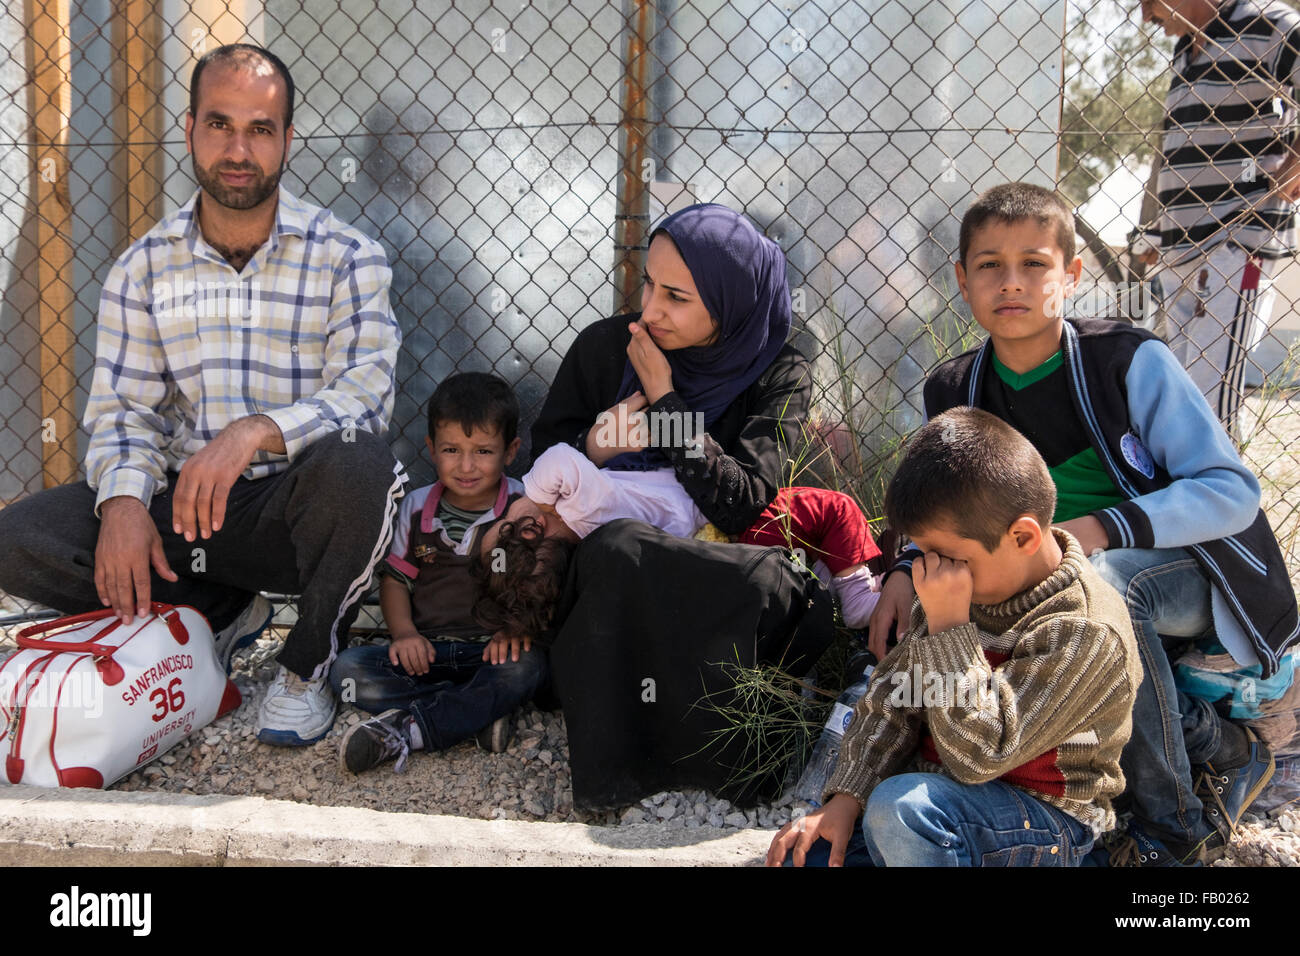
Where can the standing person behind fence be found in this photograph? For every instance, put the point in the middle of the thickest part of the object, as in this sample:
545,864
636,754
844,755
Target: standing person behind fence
1227,184
243,379
1150,485
442,679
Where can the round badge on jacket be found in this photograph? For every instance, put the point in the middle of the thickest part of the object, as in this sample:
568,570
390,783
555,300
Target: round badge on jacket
1136,454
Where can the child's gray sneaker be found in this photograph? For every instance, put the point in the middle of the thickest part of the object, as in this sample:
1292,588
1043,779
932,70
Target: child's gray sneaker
496,736
371,742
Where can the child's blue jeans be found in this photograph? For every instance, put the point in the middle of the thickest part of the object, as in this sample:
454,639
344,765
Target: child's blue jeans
1168,601
928,819
459,696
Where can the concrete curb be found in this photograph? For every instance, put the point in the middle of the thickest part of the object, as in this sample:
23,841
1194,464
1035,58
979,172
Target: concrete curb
45,827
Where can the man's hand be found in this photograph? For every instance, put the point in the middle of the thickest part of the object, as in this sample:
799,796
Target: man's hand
944,587
502,647
620,428
649,363
894,607
1150,257
199,498
833,823
128,546
413,652
1089,532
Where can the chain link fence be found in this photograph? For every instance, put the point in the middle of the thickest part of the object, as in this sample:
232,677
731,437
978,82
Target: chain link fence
511,158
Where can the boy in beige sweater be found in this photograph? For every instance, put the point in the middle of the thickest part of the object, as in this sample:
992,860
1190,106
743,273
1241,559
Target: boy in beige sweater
1012,689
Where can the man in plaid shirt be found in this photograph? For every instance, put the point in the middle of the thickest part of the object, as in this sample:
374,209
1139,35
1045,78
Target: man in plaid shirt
243,380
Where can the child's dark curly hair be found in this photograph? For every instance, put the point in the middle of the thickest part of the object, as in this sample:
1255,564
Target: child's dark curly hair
519,582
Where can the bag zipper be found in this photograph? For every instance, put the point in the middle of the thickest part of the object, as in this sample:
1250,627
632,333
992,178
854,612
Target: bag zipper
14,762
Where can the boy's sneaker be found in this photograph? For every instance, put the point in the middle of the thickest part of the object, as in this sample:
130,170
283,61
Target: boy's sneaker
1135,847
496,736
296,712
243,630
1226,792
371,742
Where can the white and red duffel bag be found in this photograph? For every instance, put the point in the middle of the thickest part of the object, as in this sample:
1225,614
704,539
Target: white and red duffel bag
86,699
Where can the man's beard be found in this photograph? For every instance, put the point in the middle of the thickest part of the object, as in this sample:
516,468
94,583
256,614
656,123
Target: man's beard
237,197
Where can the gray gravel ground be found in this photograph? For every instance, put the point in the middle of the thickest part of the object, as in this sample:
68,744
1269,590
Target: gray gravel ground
530,781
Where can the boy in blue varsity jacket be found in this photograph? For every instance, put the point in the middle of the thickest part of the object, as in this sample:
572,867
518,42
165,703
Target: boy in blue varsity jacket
1151,486
442,680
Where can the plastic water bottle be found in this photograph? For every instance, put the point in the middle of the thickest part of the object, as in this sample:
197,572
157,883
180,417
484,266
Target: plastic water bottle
827,751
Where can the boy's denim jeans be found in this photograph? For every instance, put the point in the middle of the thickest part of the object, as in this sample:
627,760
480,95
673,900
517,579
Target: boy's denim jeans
459,696
928,819
1169,603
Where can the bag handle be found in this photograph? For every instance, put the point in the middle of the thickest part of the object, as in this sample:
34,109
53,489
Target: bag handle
27,636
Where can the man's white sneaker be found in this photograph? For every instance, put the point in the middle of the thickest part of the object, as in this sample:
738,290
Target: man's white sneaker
296,712
243,630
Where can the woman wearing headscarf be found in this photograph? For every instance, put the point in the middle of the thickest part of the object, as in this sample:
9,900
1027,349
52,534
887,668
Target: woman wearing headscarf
710,340
650,619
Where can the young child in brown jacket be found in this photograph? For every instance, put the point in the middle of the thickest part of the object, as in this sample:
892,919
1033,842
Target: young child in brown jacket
1012,690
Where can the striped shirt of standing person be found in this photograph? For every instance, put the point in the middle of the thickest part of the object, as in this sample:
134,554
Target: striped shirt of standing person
1229,117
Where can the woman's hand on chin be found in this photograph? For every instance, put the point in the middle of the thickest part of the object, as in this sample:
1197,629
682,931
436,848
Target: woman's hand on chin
649,362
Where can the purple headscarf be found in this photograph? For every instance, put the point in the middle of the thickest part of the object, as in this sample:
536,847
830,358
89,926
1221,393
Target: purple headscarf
740,275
